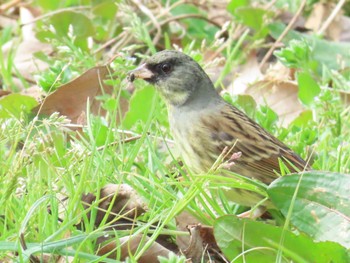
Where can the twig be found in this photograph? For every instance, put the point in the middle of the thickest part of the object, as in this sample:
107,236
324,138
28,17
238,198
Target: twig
108,43
284,33
184,16
117,142
8,5
239,30
125,37
148,13
331,17
271,4
22,241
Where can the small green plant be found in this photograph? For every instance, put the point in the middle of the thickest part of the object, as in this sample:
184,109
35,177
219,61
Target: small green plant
45,167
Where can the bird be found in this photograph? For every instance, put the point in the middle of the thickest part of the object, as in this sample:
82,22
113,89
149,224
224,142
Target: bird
206,128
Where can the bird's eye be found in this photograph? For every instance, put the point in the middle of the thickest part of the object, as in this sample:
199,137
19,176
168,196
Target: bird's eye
166,67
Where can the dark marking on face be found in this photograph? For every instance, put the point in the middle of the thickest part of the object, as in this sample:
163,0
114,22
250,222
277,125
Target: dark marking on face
162,69
131,77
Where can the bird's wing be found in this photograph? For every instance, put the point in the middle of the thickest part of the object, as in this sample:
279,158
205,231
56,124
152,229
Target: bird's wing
260,150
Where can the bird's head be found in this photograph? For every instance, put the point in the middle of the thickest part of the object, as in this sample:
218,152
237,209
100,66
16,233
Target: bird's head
177,77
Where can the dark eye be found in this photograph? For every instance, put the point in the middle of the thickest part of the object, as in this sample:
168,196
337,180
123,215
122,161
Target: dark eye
166,67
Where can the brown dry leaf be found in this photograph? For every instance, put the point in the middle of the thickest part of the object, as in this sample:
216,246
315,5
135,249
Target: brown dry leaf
286,17
280,95
345,34
4,92
71,99
183,220
34,91
7,21
24,60
8,5
129,245
246,74
318,16
274,89
64,259
217,11
126,204
202,244
345,96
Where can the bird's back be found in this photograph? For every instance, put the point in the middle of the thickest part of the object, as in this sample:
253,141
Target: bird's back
207,134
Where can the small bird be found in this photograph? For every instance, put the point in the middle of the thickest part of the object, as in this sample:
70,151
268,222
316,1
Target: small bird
205,127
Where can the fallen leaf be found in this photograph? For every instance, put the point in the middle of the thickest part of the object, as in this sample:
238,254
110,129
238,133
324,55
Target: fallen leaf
4,92
280,95
287,16
320,12
183,220
25,62
246,74
345,96
217,11
7,21
202,241
71,98
126,207
278,92
8,5
129,245
33,91
345,34
125,202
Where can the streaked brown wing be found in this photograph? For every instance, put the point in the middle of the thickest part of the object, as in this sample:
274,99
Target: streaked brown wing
260,150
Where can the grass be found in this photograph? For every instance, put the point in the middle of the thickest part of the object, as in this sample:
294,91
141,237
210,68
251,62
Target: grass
45,168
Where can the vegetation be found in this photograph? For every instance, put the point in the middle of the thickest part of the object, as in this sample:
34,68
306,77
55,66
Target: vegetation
88,169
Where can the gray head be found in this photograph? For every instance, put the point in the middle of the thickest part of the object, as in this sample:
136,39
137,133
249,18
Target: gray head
177,77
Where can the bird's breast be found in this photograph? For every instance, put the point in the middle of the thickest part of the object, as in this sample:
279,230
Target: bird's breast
193,142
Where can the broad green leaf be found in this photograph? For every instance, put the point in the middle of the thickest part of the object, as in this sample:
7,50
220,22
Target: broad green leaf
244,102
255,18
72,22
247,103
104,13
100,132
244,240
266,117
140,108
234,4
298,54
326,52
321,208
69,25
49,5
195,28
252,16
106,9
302,119
308,88
14,104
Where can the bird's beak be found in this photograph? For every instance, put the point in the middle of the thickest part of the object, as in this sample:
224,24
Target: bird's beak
141,72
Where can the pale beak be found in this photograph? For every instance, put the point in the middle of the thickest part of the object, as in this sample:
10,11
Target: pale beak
141,72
